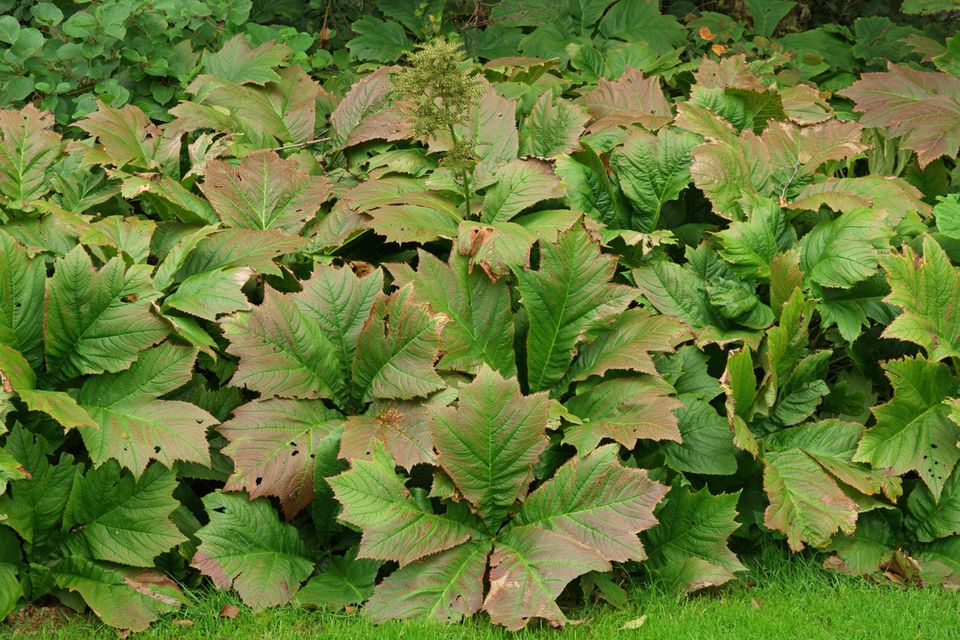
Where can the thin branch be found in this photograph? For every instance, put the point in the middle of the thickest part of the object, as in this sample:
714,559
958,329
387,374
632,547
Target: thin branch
302,144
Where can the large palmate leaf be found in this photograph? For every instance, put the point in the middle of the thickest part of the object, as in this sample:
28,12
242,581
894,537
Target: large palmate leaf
122,597
914,431
126,136
364,114
529,568
568,299
931,518
396,525
588,514
553,127
625,410
17,377
97,321
396,350
34,506
135,426
810,477
751,245
653,170
597,503
520,184
688,549
238,62
844,251
264,192
445,587
489,444
921,106
402,427
276,446
480,329
246,547
345,581
122,520
927,288
28,149
628,344
22,282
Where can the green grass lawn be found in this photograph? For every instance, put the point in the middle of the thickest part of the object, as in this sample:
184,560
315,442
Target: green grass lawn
790,598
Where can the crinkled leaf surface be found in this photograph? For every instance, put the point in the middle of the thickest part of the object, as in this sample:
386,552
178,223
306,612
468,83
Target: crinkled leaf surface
568,298
22,281
264,192
694,525
17,376
28,149
927,288
396,525
275,446
135,426
245,546
124,520
913,430
480,329
489,443
97,321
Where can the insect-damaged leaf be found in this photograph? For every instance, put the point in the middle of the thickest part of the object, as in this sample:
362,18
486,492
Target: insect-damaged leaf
914,431
276,446
135,425
245,546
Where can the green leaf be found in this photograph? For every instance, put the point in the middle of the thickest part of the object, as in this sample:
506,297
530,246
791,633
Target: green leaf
237,62
520,184
627,345
34,506
22,282
396,350
947,211
751,245
625,410
28,150
653,170
914,431
346,580
122,520
844,251
17,375
927,288
264,192
444,587
126,135
10,590
135,426
395,525
246,547
706,442
276,446
377,40
694,526
9,29
97,321
931,518
767,14
480,329
122,598
552,128
568,299
490,443
211,293
597,503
